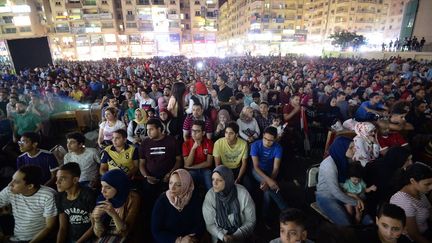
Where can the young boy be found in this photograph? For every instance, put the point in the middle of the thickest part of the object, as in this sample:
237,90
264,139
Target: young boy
390,224
292,227
75,205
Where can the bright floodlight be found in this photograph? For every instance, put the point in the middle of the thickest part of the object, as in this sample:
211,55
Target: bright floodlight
200,65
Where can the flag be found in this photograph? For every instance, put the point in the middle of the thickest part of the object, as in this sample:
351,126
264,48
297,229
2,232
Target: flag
305,129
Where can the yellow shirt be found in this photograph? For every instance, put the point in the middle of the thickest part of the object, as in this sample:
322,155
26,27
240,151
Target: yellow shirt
120,160
76,95
231,157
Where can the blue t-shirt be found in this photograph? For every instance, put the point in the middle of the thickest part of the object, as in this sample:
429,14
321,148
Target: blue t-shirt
265,155
44,159
363,115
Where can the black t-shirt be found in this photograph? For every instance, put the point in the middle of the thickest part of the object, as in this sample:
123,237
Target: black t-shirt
371,235
224,95
160,155
77,212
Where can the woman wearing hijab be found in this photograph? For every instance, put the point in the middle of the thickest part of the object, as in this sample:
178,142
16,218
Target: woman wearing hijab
249,129
228,209
117,209
136,130
331,113
333,171
175,216
223,118
170,124
366,143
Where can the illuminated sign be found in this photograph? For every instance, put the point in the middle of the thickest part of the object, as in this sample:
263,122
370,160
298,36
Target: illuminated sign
21,9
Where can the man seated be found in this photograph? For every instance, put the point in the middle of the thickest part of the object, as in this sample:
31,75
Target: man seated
369,110
266,157
232,151
197,114
33,205
292,227
120,155
197,154
75,205
390,224
87,158
32,155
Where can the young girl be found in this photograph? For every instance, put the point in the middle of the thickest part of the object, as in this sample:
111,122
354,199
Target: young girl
355,187
276,122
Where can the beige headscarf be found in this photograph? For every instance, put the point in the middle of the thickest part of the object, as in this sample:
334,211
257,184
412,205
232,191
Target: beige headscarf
187,186
144,117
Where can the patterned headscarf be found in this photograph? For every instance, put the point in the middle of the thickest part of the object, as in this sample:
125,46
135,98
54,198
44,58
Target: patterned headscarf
364,129
187,186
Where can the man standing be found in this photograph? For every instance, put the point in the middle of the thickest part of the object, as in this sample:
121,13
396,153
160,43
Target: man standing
32,155
224,93
87,158
197,154
266,157
197,115
33,205
120,155
232,151
75,205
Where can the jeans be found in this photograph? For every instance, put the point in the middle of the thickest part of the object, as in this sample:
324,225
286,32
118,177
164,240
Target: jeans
269,195
202,176
335,211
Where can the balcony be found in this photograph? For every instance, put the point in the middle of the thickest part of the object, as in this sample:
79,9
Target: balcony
73,4
173,16
158,2
367,21
9,31
78,30
91,16
63,29
105,16
145,28
143,2
341,10
372,11
343,1
89,3
130,17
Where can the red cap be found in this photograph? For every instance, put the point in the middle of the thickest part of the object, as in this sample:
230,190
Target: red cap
201,89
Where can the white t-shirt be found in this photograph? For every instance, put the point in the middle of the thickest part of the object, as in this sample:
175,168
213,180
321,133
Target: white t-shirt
108,130
88,162
29,212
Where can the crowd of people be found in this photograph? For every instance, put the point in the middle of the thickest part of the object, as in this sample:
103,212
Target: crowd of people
198,150
408,44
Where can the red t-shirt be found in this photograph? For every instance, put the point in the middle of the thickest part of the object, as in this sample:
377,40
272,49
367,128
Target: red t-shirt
201,152
295,120
392,140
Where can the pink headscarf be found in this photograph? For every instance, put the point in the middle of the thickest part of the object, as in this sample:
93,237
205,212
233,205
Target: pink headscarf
187,186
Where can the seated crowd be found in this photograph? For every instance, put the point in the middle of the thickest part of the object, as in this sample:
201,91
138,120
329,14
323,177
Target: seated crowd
190,155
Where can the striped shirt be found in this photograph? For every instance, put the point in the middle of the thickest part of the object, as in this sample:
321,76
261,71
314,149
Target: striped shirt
29,211
419,209
44,159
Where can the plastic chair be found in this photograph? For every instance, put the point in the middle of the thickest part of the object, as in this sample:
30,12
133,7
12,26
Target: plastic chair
311,182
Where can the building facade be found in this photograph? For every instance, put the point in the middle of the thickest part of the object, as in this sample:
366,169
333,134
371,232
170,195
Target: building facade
260,27
394,19
366,17
95,29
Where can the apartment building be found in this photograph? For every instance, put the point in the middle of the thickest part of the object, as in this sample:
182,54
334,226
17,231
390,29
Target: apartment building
394,19
94,29
325,17
22,18
260,26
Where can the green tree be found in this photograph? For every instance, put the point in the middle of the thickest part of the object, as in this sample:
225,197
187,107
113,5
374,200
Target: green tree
345,39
